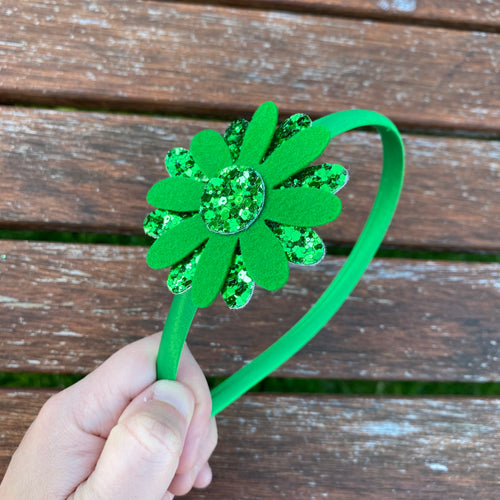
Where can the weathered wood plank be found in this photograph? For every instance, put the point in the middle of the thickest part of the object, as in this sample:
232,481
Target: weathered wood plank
167,57
481,14
66,308
314,447
91,172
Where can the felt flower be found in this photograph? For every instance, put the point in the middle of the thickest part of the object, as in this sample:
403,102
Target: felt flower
237,209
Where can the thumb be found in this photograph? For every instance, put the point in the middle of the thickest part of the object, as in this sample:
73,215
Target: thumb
142,452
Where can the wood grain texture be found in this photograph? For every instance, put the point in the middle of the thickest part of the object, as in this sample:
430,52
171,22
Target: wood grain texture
66,308
167,57
91,172
313,447
480,14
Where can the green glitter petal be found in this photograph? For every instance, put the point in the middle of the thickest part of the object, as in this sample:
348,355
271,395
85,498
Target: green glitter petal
233,200
181,275
238,287
288,129
234,135
331,178
301,244
179,161
160,220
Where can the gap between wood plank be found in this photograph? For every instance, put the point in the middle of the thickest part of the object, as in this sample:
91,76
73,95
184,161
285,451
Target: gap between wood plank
26,380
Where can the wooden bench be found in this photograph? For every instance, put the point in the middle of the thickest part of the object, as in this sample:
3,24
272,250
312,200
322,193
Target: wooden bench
171,69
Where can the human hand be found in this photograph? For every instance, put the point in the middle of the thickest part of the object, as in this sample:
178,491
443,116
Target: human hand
119,434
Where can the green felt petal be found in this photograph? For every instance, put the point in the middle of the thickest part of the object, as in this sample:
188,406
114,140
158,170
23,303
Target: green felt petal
301,207
178,242
264,256
331,178
181,275
238,287
159,221
210,152
180,194
259,135
212,268
180,161
294,154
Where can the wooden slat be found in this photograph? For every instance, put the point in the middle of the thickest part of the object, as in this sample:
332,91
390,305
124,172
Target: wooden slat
480,14
66,308
316,447
205,59
91,172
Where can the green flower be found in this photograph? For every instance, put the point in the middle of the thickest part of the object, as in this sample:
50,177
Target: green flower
236,209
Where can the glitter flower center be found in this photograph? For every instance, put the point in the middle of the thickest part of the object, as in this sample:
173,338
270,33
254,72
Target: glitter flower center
232,200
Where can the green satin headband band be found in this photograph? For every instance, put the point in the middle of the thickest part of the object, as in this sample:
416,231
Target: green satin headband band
232,201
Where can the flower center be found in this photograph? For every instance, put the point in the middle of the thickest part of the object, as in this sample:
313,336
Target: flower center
232,200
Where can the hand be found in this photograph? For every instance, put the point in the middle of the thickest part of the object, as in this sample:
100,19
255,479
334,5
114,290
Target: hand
118,434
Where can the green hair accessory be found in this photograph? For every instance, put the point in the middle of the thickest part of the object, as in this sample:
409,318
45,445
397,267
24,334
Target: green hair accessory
238,208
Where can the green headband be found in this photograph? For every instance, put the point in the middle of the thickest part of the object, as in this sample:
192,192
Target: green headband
236,209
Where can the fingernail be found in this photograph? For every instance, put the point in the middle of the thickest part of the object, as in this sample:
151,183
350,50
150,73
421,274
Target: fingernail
176,395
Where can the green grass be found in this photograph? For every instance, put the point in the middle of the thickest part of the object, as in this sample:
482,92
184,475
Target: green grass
38,380
274,384
385,388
